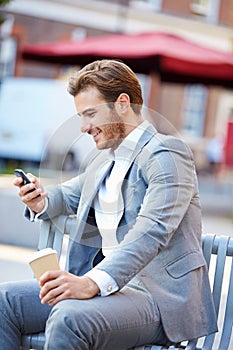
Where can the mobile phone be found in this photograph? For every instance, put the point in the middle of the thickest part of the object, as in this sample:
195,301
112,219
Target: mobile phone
20,172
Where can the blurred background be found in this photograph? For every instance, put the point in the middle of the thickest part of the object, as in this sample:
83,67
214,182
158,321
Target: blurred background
182,52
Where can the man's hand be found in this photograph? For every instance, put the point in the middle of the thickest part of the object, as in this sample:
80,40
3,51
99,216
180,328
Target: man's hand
61,285
35,199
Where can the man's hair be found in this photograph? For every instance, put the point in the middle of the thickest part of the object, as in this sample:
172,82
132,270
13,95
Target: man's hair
111,78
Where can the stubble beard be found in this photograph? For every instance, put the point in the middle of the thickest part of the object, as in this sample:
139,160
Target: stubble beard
114,132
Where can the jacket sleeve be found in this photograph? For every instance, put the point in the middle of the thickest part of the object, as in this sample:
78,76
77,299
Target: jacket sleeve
63,199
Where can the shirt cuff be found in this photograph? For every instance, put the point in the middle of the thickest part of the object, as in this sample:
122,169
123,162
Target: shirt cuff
35,216
104,281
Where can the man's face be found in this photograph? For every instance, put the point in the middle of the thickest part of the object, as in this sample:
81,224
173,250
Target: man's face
98,120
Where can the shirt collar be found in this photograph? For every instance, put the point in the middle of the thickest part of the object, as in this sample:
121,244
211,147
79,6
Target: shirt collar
128,145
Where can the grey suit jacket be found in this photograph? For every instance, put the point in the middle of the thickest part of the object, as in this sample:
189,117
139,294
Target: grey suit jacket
159,234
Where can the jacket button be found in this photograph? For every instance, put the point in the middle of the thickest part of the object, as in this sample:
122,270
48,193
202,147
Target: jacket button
109,288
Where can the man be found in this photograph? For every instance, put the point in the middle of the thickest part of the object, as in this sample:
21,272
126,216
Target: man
136,270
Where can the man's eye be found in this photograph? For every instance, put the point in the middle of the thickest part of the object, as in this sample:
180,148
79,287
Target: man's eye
91,115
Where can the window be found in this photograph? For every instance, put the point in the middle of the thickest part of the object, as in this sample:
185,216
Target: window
206,8
144,80
8,51
154,5
194,107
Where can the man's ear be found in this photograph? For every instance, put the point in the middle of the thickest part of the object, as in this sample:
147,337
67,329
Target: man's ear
122,103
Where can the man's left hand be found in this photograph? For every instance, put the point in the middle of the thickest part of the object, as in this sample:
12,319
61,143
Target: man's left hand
61,285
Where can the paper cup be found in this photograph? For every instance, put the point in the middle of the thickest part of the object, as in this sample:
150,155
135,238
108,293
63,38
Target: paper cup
42,261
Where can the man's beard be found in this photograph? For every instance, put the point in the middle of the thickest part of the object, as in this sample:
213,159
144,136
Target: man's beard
114,132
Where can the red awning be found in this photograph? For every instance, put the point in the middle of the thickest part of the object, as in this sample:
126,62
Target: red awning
173,57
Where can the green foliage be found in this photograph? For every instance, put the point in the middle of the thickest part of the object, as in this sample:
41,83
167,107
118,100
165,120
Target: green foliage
3,3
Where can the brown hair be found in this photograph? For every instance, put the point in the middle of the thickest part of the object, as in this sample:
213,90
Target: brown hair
111,78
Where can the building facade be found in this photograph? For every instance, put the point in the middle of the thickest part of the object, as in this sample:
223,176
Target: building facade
198,112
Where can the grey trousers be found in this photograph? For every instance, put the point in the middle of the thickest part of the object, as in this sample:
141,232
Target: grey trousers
120,321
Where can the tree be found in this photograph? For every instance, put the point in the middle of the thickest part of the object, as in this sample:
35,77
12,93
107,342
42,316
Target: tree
3,3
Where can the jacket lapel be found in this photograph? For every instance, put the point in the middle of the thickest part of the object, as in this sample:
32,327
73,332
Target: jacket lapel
144,139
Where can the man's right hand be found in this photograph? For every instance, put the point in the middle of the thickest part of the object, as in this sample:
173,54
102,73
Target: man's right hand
34,199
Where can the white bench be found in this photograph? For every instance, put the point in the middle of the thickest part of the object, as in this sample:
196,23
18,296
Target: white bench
218,252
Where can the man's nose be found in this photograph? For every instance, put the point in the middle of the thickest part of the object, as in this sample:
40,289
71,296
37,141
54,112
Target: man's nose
84,126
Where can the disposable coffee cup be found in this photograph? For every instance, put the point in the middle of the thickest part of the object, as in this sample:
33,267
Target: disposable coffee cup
42,261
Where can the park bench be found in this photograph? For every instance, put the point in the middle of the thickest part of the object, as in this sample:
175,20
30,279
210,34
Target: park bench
218,252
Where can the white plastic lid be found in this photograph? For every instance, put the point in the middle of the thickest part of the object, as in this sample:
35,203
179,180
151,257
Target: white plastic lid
41,253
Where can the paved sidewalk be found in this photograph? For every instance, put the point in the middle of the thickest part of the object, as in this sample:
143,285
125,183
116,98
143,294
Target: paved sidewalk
13,263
